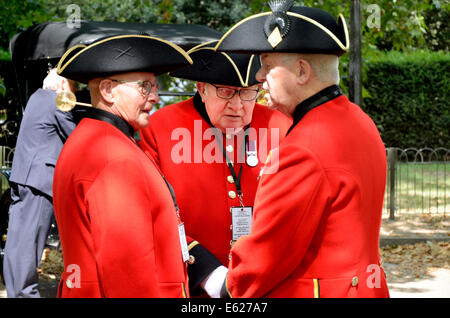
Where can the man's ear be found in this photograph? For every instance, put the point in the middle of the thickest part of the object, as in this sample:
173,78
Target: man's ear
304,71
105,88
201,89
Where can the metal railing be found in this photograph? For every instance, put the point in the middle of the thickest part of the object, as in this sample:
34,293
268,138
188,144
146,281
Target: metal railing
6,157
417,181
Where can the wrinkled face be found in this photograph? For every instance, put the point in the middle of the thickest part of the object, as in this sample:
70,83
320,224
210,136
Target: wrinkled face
278,74
134,96
233,113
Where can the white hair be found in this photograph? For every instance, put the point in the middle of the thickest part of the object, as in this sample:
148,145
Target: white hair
56,82
325,66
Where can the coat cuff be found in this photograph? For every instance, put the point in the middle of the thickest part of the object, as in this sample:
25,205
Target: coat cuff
224,292
204,264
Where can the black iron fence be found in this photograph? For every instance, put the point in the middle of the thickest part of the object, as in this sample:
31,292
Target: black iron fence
417,181
6,157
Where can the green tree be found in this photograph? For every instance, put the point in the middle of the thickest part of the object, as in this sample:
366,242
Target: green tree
18,15
404,25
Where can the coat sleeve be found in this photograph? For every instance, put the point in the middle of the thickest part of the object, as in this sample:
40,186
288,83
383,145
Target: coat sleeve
65,123
289,205
119,204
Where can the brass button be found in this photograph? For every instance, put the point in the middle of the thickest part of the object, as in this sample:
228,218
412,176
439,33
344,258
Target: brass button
230,148
191,260
232,194
230,179
355,281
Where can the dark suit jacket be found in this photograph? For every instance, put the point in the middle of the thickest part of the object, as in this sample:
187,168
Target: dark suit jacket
43,131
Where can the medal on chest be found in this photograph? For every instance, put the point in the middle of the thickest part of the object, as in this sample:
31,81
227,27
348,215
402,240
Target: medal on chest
251,153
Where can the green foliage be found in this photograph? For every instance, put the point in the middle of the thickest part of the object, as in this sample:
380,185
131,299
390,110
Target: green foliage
410,98
404,25
106,10
173,85
2,87
18,15
4,55
438,28
216,14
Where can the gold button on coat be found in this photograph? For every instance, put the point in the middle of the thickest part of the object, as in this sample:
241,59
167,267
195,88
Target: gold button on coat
230,179
232,194
355,281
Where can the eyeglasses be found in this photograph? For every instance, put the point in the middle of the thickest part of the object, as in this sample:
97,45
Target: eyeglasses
228,93
146,87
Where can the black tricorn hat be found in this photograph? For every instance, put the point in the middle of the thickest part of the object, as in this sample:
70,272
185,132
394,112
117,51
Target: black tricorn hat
229,69
121,54
288,29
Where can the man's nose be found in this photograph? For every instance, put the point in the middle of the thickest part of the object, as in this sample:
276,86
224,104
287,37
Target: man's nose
153,98
261,75
235,102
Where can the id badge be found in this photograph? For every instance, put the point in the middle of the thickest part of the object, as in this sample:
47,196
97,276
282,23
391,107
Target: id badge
183,242
241,220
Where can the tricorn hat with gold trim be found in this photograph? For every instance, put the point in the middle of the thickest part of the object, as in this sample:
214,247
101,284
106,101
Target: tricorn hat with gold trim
229,69
288,28
122,54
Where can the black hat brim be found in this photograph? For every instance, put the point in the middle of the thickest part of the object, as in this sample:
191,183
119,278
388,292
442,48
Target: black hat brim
122,54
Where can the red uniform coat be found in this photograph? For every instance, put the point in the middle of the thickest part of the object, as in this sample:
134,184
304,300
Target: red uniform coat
116,219
203,189
316,222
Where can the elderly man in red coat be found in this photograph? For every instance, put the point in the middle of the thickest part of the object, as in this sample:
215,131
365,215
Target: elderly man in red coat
120,229
316,222
211,149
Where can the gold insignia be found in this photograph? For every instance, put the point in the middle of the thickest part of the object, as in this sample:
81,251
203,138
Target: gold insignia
316,288
66,101
275,37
